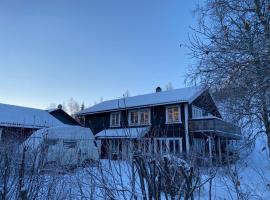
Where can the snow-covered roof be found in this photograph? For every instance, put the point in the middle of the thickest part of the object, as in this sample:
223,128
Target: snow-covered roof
123,133
187,94
17,116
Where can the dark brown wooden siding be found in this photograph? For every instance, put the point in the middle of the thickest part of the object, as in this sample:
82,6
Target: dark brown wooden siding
16,134
159,128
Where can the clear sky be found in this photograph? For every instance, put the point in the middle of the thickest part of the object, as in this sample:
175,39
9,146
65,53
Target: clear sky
53,50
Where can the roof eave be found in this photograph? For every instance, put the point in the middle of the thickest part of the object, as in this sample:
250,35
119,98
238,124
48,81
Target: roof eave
133,107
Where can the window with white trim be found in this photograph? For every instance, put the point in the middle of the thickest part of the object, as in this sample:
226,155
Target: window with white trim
197,112
114,146
144,117
115,119
139,117
173,115
133,118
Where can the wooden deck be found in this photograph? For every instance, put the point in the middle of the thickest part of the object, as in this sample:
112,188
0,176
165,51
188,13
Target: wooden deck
215,126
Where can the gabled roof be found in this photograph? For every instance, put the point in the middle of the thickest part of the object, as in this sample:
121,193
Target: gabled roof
187,94
63,116
17,116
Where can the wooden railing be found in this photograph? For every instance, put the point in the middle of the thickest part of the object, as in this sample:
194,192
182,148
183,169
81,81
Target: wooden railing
214,125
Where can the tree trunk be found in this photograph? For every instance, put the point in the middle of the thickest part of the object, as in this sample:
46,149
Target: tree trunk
210,189
268,138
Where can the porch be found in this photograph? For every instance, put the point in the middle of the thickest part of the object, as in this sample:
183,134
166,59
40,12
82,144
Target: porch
214,139
123,143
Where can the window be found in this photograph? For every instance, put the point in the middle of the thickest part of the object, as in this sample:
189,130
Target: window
115,119
134,118
196,112
168,145
144,117
173,115
139,117
114,146
51,142
171,146
69,144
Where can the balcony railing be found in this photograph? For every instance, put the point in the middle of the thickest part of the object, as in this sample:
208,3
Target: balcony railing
216,126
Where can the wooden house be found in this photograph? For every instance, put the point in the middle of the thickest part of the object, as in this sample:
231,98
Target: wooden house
178,121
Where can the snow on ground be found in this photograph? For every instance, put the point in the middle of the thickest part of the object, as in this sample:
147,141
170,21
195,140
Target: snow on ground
253,181
113,178
253,173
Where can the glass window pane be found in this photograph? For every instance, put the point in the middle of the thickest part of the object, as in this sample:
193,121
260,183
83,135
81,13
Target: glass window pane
170,115
176,115
142,118
177,146
136,116
173,114
171,145
158,146
115,119
164,148
146,118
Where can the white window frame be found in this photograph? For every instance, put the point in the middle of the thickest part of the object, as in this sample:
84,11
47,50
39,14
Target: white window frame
114,147
149,116
179,115
111,120
195,111
139,117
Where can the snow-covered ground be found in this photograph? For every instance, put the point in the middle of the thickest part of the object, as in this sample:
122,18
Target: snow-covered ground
253,177
248,179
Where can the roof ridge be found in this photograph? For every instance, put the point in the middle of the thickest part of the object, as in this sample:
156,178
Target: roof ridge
18,106
166,97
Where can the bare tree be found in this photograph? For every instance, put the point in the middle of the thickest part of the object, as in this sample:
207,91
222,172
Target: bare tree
232,47
73,107
169,86
82,106
126,94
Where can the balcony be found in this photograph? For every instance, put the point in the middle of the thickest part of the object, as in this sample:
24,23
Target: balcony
215,126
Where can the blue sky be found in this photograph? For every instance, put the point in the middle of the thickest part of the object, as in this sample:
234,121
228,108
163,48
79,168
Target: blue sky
53,50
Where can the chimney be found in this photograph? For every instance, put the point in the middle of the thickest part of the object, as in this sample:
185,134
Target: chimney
60,106
158,89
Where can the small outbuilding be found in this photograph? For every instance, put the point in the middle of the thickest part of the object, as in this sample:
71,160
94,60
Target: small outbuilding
17,123
63,145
